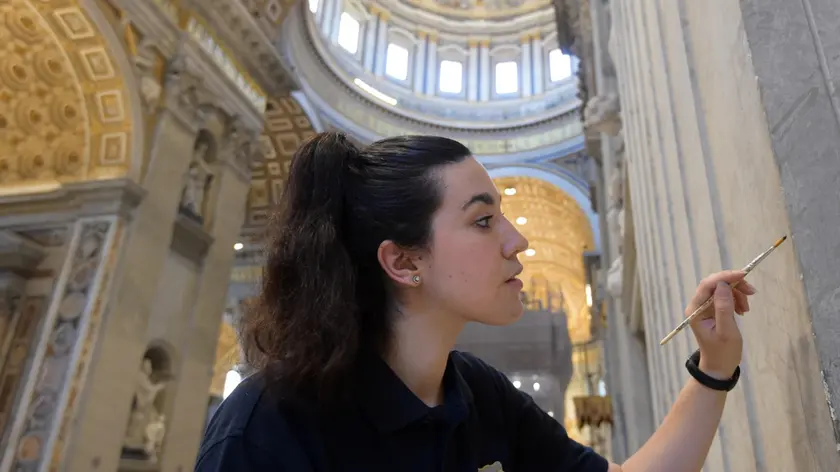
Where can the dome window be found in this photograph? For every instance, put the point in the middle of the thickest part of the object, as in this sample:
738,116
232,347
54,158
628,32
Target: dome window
396,62
507,78
559,65
348,33
451,77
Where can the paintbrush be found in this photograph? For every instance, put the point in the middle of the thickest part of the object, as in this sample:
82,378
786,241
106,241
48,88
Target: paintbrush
749,267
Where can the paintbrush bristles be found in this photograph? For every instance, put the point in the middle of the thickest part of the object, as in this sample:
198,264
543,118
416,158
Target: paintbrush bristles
779,242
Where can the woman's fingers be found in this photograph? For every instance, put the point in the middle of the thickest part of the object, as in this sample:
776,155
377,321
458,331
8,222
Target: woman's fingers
742,304
706,288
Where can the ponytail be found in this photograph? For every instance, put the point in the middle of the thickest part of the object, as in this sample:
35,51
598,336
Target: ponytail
307,316
324,295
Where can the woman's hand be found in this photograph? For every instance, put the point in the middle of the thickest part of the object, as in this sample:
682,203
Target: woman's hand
716,331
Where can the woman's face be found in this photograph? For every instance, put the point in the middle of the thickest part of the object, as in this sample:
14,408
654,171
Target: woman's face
473,263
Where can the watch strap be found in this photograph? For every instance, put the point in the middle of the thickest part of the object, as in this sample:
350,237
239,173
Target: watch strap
693,366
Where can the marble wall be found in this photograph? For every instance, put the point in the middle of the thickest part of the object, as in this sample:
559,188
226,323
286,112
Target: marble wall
728,149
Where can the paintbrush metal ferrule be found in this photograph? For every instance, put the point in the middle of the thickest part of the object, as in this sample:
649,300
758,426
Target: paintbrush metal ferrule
705,305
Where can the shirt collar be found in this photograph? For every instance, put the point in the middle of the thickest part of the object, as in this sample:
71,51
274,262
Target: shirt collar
391,406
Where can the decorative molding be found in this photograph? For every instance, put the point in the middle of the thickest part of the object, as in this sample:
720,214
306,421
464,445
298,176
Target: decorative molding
70,202
247,39
51,396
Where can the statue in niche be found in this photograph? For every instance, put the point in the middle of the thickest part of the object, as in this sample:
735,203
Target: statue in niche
155,432
143,411
197,182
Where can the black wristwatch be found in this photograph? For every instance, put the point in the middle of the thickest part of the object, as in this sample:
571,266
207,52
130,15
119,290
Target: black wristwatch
693,366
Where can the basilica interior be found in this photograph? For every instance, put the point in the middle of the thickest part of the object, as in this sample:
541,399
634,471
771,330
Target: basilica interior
145,144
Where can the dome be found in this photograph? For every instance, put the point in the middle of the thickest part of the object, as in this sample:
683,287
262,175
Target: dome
486,72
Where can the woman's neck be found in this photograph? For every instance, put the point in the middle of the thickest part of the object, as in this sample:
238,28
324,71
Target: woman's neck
419,350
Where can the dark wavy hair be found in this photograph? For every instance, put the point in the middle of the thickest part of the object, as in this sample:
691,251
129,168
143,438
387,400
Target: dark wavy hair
324,294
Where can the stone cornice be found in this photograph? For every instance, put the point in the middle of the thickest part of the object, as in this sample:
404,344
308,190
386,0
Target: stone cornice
153,22
71,201
235,25
441,23
18,254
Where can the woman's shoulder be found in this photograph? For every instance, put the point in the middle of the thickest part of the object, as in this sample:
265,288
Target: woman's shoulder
251,425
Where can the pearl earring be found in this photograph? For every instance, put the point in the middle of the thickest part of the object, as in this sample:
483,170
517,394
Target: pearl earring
416,279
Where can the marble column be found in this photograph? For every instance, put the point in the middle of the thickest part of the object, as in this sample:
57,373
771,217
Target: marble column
538,61
320,13
381,43
369,43
432,65
204,322
525,72
418,80
472,70
333,21
485,74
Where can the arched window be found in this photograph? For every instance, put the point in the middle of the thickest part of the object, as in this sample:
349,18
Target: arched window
313,5
451,77
559,65
507,77
396,62
348,33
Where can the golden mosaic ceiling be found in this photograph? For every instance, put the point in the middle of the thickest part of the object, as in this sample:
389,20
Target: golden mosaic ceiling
480,9
558,232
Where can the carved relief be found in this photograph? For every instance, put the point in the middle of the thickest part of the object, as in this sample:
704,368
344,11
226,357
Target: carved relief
51,131
602,114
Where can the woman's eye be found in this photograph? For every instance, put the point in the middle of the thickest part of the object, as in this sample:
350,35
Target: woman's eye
484,222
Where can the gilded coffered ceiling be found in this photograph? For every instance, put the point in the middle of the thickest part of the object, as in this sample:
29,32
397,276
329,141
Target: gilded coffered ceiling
64,108
558,232
479,9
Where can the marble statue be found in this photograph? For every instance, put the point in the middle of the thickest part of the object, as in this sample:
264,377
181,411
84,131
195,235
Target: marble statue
197,181
603,114
155,432
150,88
143,411
614,277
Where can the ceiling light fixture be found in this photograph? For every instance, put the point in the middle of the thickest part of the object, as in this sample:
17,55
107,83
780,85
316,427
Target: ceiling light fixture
238,246
530,252
521,220
517,384
510,191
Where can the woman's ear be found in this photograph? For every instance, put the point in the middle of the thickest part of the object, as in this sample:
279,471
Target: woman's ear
398,263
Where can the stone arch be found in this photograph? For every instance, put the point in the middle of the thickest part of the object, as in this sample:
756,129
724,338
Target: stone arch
561,182
68,113
559,231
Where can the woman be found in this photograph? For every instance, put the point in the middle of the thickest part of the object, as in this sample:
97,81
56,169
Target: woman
383,255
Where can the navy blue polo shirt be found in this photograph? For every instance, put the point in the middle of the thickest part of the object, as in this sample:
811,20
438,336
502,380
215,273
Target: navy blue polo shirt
483,420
